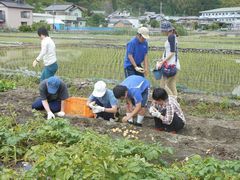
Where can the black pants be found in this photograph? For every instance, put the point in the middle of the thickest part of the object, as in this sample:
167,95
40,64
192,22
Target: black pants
105,115
176,125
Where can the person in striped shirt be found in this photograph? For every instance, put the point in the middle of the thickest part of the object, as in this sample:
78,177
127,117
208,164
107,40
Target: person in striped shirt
166,111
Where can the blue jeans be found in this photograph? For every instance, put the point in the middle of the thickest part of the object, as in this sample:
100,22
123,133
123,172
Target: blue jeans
130,70
49,71
55,106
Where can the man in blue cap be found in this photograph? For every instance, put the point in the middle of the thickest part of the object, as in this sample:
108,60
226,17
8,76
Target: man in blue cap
53,92
135,90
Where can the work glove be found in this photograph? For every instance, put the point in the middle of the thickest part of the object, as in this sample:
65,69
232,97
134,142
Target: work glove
156,114
35,63
97,109
152,109
61,114
139,69
50,115
92,104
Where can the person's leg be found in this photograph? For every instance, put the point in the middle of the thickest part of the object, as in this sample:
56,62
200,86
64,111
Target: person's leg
141,113
158,124
37,104
176,125
172,84
55,106
164,85
43,75
50,70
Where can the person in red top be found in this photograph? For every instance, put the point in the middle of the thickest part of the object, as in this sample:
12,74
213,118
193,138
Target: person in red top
166,111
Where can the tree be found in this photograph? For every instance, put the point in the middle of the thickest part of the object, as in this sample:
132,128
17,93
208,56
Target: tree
154,23
96,20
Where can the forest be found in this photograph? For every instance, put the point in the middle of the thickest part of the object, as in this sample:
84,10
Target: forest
169,7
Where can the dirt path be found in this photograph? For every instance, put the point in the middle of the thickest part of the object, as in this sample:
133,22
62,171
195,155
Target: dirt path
204,136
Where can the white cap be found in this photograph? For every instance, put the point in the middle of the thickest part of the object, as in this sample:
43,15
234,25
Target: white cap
99,89
144,32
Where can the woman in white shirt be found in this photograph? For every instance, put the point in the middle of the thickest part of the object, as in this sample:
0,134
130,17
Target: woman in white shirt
170,57
48,54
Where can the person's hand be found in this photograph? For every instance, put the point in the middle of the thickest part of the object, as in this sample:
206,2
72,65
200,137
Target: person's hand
61,114
50,115
156,114
152,109
35,63
125,119
159,64
91,104
139,69
98,109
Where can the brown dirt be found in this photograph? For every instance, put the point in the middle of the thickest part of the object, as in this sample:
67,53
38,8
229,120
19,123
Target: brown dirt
204,136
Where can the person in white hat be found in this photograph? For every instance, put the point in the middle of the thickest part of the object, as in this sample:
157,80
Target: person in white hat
136,54
102,102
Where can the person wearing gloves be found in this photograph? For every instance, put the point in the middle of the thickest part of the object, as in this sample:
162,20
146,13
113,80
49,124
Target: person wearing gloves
136,53
102,102
48,54
53,92
135,90
168,116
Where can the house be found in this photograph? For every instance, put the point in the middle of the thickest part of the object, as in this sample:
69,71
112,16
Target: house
122,14
53,21
70,14
15,13
224,15
123,24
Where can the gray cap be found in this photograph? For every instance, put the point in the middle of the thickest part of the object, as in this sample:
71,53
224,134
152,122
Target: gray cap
166,26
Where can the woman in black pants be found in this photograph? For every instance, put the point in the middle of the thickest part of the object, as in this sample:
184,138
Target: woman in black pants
166,111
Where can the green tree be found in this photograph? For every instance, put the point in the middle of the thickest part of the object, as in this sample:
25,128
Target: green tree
96,20
154,23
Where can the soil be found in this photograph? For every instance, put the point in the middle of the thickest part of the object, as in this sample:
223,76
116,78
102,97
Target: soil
203,136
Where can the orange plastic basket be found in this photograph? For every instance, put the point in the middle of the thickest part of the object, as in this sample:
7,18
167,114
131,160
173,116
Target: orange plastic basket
77,106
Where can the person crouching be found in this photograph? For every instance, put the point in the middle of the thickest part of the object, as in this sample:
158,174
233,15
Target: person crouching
169,116
102,102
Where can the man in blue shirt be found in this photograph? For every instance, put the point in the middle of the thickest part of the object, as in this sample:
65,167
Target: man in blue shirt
136,53
102,102
135,90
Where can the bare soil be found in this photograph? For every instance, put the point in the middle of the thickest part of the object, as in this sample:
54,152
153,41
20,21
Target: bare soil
205,136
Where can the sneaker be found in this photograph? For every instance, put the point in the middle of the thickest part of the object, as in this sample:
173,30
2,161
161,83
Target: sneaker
138,124
130,122
113,120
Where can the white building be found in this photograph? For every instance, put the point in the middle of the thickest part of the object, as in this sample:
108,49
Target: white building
224,15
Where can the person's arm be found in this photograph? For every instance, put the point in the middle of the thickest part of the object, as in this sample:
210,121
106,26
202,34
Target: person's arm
146,65
172,42
46,105
113,109
133,113
43,50
130,57
62,105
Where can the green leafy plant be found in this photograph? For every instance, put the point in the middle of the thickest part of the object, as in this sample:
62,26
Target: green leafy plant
6,85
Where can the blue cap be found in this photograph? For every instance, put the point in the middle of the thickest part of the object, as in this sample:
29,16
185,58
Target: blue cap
53,84
166,26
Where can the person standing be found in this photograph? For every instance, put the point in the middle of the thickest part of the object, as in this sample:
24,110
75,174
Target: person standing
169,58
53,92
136,54
134,89
102,102
169,116
48,54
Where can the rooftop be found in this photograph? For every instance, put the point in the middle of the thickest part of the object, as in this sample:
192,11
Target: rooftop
222,10
11,4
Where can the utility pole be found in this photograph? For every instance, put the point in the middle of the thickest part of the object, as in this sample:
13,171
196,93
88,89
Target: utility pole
161,7
54,2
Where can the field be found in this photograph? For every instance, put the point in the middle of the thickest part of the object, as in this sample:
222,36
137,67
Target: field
77,148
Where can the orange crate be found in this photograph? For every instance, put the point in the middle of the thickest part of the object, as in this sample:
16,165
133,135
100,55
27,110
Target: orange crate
77,106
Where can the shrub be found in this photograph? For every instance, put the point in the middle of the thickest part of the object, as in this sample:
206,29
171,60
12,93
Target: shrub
36,26
25,28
